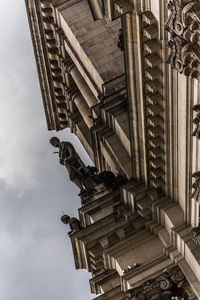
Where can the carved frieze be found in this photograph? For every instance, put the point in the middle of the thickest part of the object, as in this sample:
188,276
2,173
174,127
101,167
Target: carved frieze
170,285
184,27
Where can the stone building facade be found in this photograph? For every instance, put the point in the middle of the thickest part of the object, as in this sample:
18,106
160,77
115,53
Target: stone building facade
123,75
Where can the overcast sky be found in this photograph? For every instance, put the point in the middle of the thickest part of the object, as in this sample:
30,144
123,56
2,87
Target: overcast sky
36,260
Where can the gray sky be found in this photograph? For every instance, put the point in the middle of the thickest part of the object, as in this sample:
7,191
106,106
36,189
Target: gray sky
36,260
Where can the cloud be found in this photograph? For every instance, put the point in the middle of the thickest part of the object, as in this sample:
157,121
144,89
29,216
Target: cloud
21,110
35,255
24,139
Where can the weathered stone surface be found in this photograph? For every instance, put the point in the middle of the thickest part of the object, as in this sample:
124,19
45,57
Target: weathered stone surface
184,28
136,124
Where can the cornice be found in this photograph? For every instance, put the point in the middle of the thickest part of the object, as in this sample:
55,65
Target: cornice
41,56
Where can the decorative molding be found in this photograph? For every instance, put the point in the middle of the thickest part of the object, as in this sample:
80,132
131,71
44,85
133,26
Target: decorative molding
183,26
118,8
56,60
138,198
61,5
154,101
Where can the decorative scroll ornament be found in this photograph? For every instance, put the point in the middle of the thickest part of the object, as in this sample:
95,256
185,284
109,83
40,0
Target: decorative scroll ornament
169,286
196,186
196,121
184,28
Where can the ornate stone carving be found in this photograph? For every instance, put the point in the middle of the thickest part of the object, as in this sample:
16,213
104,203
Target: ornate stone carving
196,185
196,232
196,121
74,223
184,28
85,177
170,285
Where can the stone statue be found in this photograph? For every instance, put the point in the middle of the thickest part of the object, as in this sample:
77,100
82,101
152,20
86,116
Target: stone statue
78,172
196,233
196,121
196,186
74,223
86,178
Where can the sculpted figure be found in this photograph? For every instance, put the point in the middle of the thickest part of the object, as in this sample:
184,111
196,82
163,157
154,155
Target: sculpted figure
196,121
78,172
196,233
74,223
86,178
196,186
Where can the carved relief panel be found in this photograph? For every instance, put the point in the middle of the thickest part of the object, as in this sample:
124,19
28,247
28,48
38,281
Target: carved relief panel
184,27
172,284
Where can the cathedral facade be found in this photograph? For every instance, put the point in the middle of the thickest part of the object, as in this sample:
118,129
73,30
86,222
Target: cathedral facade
124,75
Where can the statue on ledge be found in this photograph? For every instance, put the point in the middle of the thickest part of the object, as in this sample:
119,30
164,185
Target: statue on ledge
196,186
74,223
78,172
86,178
196,121
196,233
